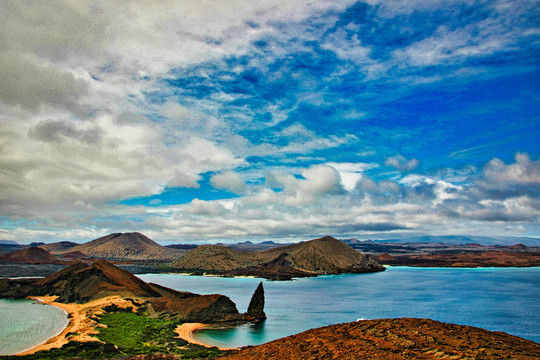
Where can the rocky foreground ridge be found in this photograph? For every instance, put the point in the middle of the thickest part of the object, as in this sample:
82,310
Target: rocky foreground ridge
325,255
82,283
394,339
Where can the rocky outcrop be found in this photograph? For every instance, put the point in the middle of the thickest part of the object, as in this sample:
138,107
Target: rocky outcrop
200,308
256,305
394,339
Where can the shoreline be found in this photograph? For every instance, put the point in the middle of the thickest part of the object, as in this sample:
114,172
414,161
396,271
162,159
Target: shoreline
60,338
80,325
24,351
185,331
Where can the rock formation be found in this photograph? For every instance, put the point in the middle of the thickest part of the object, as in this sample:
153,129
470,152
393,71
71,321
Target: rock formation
256,305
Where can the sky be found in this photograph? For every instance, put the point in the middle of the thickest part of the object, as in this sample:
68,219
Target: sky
206,121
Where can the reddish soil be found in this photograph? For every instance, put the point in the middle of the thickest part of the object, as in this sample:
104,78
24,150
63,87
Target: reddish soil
31,255
391,339
482,259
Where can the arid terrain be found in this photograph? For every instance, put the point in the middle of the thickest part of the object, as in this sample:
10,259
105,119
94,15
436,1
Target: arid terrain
325,255
394,339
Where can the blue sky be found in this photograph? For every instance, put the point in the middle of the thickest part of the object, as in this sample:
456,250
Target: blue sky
204,122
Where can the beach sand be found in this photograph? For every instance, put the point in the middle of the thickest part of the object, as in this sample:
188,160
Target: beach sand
81,327
185,331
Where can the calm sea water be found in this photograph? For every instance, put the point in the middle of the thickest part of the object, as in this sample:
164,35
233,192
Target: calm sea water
27,323
491,298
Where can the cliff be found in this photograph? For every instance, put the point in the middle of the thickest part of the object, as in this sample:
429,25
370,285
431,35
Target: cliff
394,339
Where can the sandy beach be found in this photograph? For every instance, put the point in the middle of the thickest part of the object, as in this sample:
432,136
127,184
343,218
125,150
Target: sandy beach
185,331
79,321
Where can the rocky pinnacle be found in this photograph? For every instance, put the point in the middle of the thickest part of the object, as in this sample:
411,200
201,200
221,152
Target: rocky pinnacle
256,305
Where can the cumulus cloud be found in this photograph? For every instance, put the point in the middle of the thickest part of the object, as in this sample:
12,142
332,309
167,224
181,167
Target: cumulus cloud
501,181
229,180
399,162
103,102
57,131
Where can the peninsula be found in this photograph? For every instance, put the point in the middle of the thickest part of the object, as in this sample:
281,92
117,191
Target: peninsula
88,291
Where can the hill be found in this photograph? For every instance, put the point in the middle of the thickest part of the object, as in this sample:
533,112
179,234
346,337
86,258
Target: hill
319,256
132,246
58,247
82,283
32,255
394,339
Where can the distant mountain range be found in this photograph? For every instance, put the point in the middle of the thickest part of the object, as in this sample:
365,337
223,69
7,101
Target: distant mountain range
458,239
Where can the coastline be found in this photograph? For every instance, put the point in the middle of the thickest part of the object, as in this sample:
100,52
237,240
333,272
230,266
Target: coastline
60,338
185,331
80,326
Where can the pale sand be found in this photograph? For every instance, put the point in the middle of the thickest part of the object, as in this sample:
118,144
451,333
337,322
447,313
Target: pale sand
185,331
79,321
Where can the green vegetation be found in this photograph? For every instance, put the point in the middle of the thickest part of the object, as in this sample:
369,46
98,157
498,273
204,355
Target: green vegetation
82,350
135,334
127,333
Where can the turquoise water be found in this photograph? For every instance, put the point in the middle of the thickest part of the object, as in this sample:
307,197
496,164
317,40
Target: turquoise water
492,298
27,323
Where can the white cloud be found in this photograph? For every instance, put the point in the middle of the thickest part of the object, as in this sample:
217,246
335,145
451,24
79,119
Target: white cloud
399,162
350,173
498,175
230,181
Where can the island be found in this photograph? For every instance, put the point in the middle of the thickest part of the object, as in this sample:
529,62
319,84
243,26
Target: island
322,256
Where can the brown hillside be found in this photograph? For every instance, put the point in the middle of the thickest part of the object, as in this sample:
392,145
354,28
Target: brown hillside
325,255
32,255
200,308
394,339
320,256
134,246
58,247
384,257
83,283
216,258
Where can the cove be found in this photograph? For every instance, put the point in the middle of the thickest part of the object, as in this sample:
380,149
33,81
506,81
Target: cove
25,324
497,299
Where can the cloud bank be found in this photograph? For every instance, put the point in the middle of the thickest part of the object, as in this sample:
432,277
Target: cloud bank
194,121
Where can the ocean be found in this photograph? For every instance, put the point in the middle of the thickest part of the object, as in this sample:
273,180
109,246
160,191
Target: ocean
27,323
498,299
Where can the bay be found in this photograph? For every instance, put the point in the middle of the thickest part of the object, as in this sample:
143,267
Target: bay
497,299
27,323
